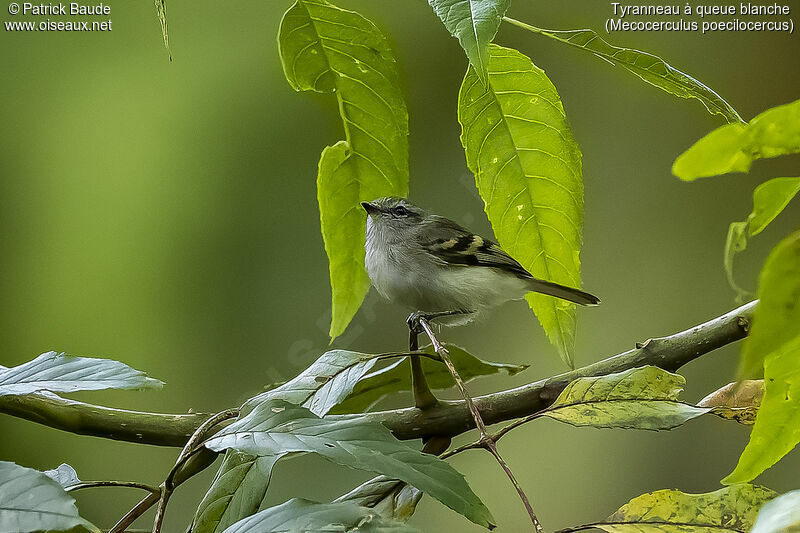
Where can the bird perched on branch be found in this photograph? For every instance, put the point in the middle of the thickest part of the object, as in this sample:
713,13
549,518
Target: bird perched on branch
432,265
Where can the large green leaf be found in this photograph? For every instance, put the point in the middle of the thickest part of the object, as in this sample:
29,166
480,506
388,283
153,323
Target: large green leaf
299,515
528,171
734,147
32,501
397,377
769,200
242,480
279,428
776,320
648,67
474,23
775,340
66,373
639,398
328,49
781,515
732,509
391,498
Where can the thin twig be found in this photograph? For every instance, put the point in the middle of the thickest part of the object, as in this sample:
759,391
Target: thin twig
192,446
485,441
129,484
423,397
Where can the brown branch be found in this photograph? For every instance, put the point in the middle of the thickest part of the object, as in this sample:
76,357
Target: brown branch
447,418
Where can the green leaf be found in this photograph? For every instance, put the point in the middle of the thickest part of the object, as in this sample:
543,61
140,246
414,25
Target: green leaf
390,498
732,509
735,242
242,480
279,428
328,49
474,23
66,373
776,320
734,147
775,340
769,199
321,386
638,398
238,491
32,501
397,377
528,171
64,475
781,515
161,12
648,67
304,515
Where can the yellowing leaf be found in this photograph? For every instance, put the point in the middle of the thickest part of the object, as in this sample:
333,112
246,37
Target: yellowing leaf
729,510
734,147
639,398
328,49
528,171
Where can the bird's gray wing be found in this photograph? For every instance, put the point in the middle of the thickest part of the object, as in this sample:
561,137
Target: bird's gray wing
454,245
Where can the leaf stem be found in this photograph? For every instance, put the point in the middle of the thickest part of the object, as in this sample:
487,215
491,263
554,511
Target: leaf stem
485,441
423,397
130,484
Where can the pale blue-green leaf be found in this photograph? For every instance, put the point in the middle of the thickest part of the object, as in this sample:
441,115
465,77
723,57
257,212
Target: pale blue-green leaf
32,501
640,398
648,67
734,147
325,48
528,171
66,373
279,428
389,497
64,475
781,515
474,23
298,515
242,480
397,377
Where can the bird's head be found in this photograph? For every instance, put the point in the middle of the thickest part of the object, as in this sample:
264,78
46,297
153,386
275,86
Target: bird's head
393,212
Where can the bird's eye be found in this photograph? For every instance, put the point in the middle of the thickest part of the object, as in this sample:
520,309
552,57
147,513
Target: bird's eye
400,211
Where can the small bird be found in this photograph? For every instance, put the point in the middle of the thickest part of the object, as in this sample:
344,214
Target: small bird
435,267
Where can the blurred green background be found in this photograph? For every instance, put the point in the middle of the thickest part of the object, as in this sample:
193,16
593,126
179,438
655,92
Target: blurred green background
164,214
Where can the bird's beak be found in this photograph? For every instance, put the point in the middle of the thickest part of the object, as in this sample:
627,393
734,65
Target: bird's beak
371,209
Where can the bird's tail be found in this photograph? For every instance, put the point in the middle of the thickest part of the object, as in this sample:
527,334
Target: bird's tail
565,293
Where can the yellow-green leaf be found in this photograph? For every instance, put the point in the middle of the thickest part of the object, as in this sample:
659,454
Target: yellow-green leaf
474,23
729,510
528,171
734,147
769,200
328,49
639,398
775,340
648,67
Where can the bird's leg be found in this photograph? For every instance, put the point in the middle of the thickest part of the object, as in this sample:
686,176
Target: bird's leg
423,397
